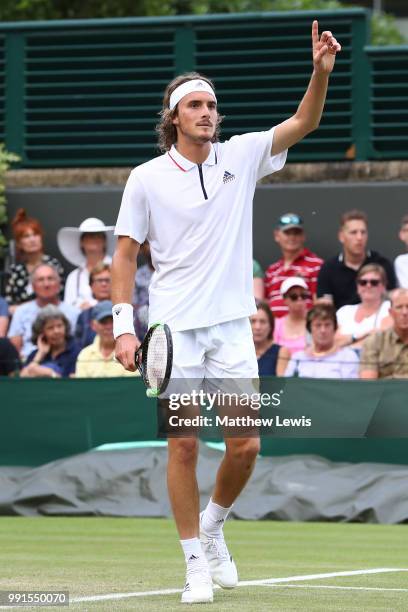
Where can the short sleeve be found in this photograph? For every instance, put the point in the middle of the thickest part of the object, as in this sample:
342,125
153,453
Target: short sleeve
16,326
270,163
257,271
4,311
369,358
133,218
257,152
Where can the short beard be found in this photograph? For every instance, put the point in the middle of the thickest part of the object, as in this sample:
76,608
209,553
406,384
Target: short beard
198,139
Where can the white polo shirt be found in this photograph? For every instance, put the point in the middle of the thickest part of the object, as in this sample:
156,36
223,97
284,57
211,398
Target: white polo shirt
198,221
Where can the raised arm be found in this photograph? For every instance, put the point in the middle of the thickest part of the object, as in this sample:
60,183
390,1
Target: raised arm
123,280
308,115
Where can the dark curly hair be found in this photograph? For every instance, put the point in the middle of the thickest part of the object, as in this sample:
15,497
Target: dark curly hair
166,131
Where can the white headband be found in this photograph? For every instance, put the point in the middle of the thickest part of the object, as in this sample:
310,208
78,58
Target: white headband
188,87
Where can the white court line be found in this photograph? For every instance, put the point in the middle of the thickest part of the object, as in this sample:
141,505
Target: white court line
265,582
381,570
326,586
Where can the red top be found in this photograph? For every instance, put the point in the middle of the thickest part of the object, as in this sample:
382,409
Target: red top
306,265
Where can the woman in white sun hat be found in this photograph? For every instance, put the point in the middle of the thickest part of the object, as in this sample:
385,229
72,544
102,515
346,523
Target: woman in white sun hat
84,246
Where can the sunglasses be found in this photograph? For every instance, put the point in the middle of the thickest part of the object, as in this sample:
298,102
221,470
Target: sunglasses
290,220
374,282
294,297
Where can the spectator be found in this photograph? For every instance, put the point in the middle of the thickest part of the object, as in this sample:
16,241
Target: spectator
97,360
290,330
323,358
100,283
258,276
296,260
401,262
272,358
357,321
141,293
84,246
337,278
9,360
385,354
46,285
56,352
28,235
4,317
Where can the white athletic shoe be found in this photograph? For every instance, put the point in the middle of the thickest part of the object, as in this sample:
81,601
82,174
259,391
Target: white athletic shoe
199,586
222,566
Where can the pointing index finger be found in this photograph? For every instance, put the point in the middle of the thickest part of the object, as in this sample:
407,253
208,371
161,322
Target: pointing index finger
315,32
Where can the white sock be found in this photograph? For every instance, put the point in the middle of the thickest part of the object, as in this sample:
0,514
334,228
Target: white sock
213,518
192,550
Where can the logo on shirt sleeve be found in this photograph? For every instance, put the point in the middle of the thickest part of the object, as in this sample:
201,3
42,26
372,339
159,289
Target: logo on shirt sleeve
228,177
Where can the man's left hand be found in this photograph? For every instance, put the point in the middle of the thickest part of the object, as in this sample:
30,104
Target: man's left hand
325,48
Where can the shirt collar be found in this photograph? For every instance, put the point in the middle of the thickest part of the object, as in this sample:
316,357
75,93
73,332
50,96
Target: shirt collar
185,164
341,255
97,348
395,337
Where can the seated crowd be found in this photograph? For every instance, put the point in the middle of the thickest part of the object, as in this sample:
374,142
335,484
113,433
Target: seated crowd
339,318
52,327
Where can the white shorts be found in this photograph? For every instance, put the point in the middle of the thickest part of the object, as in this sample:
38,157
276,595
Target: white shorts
217,352
219,360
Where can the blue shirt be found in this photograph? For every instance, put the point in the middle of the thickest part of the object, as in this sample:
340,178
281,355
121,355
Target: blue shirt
4,311
84,334
267,361
64,363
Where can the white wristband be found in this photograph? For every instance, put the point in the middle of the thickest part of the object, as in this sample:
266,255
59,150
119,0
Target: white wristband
123,320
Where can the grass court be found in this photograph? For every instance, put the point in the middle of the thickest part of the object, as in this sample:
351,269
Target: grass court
115,559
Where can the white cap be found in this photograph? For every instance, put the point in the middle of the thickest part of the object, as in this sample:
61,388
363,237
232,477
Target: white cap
292,281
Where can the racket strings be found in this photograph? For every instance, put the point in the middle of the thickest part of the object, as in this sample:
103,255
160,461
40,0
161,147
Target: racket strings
157,354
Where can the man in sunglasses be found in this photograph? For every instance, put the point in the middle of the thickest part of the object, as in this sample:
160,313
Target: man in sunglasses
337,278
296,260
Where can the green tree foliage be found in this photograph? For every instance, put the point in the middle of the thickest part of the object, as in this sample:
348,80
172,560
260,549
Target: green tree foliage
384,30
6,159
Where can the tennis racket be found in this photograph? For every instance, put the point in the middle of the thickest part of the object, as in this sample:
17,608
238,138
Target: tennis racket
154,359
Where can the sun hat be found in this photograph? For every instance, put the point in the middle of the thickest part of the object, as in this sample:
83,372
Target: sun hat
292,281
69,239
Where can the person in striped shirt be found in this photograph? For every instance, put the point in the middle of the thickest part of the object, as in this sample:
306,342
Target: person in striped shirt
296,260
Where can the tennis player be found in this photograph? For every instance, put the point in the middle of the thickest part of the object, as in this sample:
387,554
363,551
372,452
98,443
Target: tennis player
194,206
